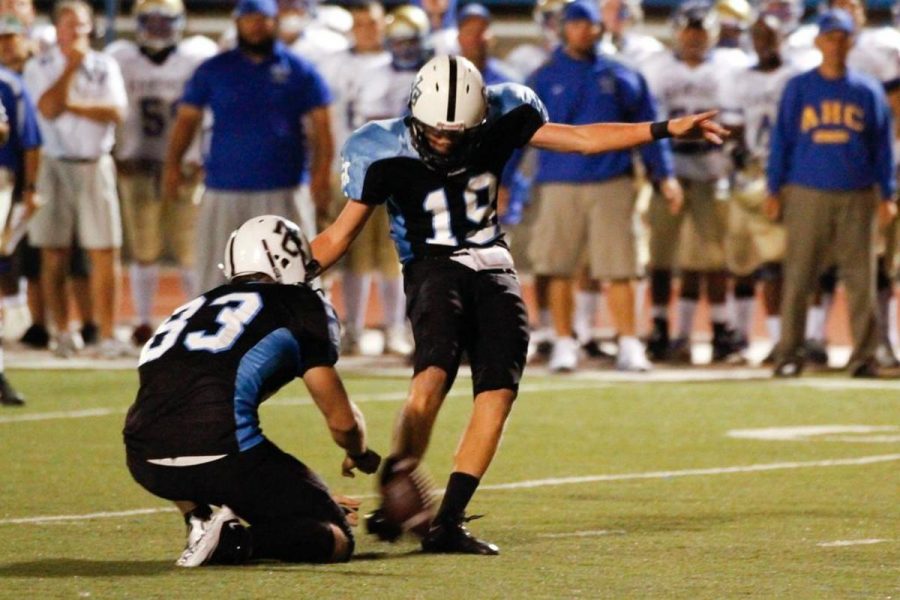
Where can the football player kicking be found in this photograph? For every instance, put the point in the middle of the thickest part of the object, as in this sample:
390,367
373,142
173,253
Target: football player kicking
437,171
193,434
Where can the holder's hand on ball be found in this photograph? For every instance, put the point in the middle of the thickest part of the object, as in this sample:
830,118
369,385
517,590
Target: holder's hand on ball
367,462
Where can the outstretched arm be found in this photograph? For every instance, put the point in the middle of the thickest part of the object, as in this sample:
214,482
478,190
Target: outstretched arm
332,243
606,137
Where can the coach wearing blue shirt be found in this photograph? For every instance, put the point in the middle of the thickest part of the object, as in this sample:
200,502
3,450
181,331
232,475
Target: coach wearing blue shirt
258,93
830,173
588,202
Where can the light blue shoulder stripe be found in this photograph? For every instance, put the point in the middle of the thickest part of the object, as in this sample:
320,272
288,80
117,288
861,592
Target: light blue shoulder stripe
370,143
506,97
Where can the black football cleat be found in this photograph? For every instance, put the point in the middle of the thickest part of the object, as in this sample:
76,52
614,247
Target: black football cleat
452,537
9,396
380,527
36,337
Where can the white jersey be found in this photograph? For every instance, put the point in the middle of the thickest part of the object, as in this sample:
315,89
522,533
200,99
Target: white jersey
733,59
317,42
525,59
98,82
360,83
633,49
153,94
877,52
43,36
445,41
750,99
681,90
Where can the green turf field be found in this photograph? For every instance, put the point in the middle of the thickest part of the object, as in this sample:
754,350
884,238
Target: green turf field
623,491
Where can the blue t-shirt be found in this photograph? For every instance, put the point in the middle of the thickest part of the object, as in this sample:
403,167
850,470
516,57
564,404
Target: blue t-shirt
257,140
833,134
600,90
22,117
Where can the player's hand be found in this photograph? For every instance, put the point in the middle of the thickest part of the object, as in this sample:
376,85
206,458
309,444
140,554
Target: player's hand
887,212
367,462
350,506
772,208
698,127
672,193
171,181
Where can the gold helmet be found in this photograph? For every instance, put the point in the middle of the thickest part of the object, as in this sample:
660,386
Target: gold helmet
406,36
407,22
737,13
159,24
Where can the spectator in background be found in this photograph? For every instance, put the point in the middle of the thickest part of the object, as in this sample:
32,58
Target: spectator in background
40,37
361,79
81,98
619,38
442,18
831,172
155,68
19,162
17,48
476,41
259,94
587,203
406,38
685,80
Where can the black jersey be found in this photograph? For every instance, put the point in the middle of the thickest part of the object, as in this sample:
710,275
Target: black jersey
435,213
209,366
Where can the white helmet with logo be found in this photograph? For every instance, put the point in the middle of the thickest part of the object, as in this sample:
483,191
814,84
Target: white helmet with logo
270,245
448,95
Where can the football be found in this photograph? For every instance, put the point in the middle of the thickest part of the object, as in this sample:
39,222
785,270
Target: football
406,497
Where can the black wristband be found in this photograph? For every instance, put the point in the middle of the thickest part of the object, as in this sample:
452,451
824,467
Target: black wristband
660,130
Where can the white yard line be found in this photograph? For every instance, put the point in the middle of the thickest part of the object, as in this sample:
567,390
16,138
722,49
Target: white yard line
532,483
581,534
843,543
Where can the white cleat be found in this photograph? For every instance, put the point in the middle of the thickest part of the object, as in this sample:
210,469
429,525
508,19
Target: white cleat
564,357
203,541
632,357
396,341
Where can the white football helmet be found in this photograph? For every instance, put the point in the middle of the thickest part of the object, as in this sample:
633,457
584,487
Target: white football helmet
159,24
449,96
270,245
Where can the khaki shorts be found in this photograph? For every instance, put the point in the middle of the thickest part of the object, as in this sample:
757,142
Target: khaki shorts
694,239
80,199
151,223
752,238
597,217
519,237
373,249
221,212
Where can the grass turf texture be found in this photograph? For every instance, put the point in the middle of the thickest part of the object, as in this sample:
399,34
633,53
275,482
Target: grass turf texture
704,536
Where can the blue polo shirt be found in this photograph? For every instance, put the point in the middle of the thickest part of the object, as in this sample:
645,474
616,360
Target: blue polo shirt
598,90
833,134
257,140
22,118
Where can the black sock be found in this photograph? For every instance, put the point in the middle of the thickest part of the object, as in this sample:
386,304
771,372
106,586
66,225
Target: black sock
460,489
